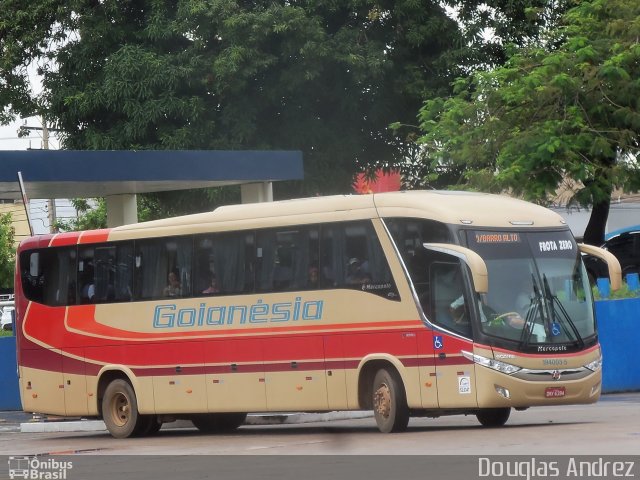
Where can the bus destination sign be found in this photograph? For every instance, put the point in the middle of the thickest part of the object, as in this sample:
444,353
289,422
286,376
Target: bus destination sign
497,237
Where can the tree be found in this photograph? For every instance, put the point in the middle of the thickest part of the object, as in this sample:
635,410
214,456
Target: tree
564,112
323,77
89,216
153,206
7,251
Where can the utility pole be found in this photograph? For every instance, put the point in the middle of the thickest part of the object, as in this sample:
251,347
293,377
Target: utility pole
51,203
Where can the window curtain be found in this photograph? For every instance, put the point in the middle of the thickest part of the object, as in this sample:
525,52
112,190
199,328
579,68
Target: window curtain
378,268
152,273
229,256
301,260
183,263
266,247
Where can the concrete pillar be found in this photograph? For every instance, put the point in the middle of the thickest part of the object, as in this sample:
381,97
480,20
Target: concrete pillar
256,192
121,210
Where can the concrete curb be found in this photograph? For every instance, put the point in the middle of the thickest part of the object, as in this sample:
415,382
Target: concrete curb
253,419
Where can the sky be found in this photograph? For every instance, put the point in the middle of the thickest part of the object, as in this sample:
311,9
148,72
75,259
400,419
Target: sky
9,141
9,136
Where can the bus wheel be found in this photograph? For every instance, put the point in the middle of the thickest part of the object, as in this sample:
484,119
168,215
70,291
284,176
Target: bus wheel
155,427
228,422
120,409
218,422
389,402
493,417
147,425
206,423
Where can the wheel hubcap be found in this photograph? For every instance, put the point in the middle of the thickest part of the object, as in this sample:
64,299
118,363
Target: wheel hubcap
120,409
382,400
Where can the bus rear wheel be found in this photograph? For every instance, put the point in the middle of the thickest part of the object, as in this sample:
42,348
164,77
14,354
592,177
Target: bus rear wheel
493,417
218,422
389,402
120,409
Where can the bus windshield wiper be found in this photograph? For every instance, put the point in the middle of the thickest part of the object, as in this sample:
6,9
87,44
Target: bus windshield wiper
553,301
527,329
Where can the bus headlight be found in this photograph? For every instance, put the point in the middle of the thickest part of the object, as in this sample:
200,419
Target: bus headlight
595,365
497,365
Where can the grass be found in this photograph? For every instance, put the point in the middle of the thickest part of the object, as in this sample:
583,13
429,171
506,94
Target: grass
623,292
6,333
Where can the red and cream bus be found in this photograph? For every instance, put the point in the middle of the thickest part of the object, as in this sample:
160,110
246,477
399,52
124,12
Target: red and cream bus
409,304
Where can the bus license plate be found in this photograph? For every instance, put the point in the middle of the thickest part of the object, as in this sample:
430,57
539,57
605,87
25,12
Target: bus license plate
554,392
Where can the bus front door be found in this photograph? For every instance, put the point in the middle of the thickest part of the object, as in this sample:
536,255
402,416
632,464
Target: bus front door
452,318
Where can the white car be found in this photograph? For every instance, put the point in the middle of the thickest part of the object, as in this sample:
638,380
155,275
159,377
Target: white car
6,319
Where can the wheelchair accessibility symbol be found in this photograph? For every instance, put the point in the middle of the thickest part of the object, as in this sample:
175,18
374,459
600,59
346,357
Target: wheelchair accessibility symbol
555,329
437,342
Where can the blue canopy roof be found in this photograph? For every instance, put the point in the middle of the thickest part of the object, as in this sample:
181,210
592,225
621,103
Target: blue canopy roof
70,173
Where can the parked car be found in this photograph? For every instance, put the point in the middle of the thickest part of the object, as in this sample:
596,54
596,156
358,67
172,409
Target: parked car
7,316
625,245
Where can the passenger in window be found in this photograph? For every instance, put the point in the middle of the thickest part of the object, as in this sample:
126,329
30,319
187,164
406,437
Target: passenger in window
356,275
174,288
88,292
313,277
213,285
459,312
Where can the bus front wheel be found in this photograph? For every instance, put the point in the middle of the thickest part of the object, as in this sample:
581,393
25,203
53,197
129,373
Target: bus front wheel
389,402
493,417
120,409
147,426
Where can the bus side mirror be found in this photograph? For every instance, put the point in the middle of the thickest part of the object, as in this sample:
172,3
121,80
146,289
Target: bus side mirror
470,258
615,272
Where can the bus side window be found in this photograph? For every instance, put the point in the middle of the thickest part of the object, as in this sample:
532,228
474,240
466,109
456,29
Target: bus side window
86,276
112,266
32,283
285,257
352,257
450,305
61,271
206,276
224,263
155,260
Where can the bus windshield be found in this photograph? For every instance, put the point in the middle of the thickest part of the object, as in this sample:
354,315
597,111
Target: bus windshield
538,294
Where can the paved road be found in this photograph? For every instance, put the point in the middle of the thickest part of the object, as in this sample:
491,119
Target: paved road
611,426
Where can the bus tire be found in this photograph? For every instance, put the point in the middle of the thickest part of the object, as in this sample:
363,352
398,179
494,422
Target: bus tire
493,417
389,402
147,426
120,409
156,425
204,422
218,422
228,422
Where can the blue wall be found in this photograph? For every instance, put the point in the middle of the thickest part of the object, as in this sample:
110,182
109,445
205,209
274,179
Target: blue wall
9,392
619,327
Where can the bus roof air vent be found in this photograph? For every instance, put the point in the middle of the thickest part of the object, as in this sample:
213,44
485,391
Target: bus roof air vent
521,222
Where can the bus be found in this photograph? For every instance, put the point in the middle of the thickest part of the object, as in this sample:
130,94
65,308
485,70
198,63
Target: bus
422,303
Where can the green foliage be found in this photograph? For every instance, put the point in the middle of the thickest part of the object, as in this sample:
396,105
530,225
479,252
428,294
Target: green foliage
323,77
621,293
93,214
170,204
7,251
563,110
90,216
